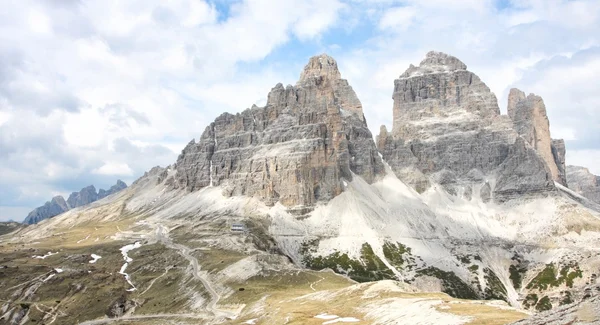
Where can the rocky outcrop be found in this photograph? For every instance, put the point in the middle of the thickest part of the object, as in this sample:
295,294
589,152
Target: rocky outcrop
583,311
58,204
559,152
528,114
518,179
120,185
448,128
583,182
50,209
297,150
87,195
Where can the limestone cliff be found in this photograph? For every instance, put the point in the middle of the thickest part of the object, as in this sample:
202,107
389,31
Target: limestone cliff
297,150
448,128
531,122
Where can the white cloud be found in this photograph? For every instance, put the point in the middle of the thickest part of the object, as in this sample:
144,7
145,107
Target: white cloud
114,169
84,85
583,158
39,22
399,17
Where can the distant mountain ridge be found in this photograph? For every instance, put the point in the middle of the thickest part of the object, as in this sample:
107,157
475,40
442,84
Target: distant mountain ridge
58,204
582,181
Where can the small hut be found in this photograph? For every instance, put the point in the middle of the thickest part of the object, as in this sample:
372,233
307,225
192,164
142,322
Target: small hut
238,227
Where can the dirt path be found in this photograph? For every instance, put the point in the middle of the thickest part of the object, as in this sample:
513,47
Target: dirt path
162,235
140,317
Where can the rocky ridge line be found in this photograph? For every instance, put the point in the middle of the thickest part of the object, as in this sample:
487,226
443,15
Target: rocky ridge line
583,182
58,204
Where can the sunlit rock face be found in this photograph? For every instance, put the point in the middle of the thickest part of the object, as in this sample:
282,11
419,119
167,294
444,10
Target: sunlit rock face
448,129
297,150
531,122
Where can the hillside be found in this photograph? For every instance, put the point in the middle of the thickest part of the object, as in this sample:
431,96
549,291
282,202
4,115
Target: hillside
457,216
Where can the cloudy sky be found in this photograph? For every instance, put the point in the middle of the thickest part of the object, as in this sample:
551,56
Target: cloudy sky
98,90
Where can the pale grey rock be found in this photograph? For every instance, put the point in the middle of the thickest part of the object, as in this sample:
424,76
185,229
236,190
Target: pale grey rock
531,123
87,195
296,150
522,174
120,185
448,127
583,182
584,311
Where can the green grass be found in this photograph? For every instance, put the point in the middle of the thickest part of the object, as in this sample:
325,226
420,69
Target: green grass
368,267
451,283
566,299
495,289
530,300
544,304
398,255
550,278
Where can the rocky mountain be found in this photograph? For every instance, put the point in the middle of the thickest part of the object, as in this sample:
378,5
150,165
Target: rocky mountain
120,185
531,122
50,209
583,182
448,128
297,150
58,204
454,216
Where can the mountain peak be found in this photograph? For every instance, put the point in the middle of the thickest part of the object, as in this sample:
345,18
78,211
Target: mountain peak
320,66
435,62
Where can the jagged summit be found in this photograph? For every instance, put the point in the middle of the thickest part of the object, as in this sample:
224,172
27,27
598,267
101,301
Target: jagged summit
447,126
320,66
435,62
296,150
59,205
302,177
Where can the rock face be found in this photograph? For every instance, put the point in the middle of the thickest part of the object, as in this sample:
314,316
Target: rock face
448,128
297,150
120,185
87,195
58,204
50,209
528,114
583,182
583,311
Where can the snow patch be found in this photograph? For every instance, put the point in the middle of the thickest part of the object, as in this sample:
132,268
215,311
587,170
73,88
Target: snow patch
326,316
44,257
251,321
332,319
95,258
343,320
59,270
82,240
124,250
